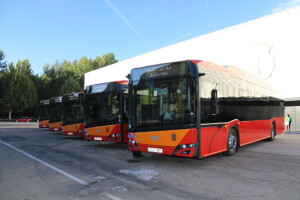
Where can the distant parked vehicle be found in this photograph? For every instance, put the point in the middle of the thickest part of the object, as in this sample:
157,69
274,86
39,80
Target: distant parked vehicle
24,119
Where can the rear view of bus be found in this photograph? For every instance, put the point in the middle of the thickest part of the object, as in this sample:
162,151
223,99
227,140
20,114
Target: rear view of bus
44,114
197,109
73,114
106,118
55,121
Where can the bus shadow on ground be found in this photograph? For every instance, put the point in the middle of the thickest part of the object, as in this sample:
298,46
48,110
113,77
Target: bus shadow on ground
167,159
45,129
105,145
67,137
159,158
292,132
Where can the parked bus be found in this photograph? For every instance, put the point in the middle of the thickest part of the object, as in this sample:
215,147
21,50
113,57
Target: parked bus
106,106
44,114
73,114
197,109
55,121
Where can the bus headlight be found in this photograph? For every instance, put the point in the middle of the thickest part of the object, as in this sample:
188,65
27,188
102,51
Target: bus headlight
185,146
131,141
115,135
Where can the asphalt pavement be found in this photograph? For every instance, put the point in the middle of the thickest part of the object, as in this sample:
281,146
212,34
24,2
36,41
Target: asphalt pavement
39,164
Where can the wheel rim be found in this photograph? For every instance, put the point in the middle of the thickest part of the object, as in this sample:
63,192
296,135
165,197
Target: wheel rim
232,142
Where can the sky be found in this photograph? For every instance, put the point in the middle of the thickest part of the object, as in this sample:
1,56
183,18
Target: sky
46,31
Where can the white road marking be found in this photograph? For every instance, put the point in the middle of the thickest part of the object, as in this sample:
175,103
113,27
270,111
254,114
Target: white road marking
110,196
46,164
59,170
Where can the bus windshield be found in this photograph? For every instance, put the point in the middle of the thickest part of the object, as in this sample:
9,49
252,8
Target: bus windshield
102,109
73,112
55,112
163,102
44,113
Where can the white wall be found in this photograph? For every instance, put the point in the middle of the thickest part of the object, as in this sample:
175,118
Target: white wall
268,46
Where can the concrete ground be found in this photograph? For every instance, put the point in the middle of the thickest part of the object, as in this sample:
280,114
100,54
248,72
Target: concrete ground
39,164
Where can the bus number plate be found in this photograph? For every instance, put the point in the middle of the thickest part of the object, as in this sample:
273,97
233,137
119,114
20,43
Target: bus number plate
97,138
70,133
56,129
155,150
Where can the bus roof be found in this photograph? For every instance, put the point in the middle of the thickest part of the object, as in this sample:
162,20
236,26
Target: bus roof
238,78
229,74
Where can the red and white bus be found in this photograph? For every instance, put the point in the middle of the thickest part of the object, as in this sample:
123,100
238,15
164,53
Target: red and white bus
55,109
106,112
197,108
44,114
73,114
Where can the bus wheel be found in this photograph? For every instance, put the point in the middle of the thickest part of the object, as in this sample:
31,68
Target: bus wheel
136,154
232,142
273,133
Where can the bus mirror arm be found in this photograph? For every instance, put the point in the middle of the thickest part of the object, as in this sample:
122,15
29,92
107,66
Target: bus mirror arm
214,102
201,74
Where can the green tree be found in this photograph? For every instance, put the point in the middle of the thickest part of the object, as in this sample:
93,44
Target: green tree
3,65
70,86
24,67
82,66
42,86
55,76
19,91
104,60
55,79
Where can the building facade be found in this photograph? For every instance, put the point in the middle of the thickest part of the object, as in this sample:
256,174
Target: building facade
267,46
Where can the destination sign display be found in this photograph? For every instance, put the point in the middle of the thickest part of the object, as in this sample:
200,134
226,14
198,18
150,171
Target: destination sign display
73,97
100,88
44,102
55,100
162,70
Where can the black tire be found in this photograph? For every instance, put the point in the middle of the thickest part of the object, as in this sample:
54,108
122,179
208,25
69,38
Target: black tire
273,133
232,142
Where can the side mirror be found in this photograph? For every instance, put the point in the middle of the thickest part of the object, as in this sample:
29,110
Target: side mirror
214,102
